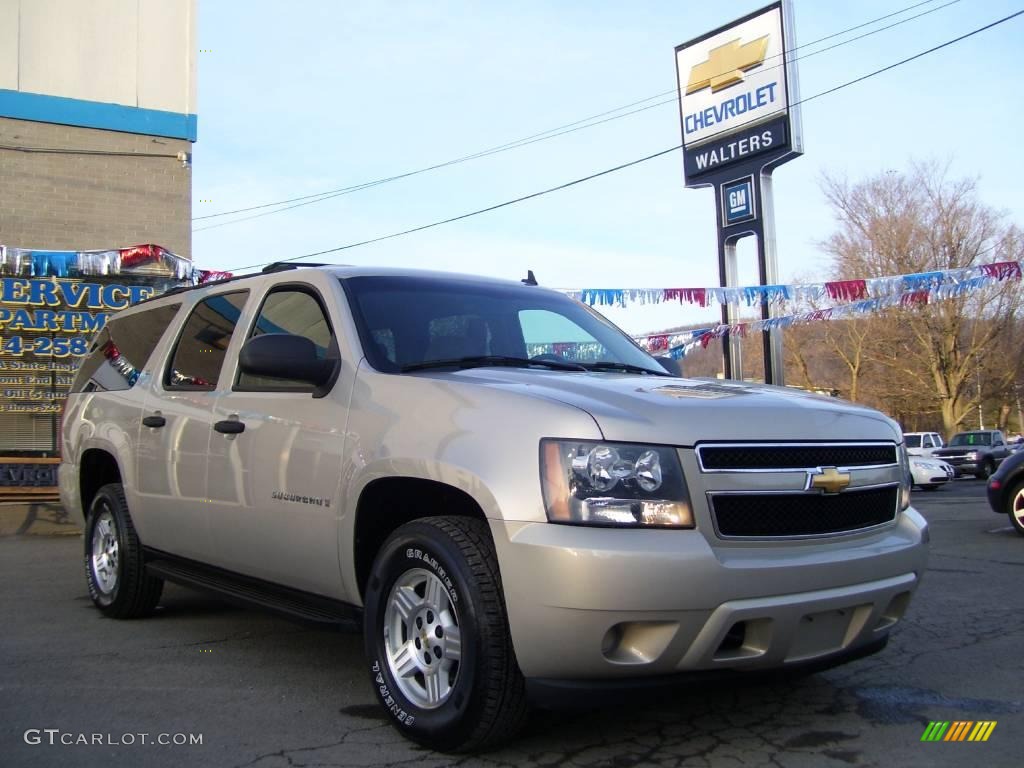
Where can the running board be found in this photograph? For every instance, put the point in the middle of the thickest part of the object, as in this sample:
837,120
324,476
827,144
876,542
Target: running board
249,591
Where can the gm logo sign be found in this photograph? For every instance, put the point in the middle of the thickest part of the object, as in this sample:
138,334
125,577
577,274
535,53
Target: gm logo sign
738,201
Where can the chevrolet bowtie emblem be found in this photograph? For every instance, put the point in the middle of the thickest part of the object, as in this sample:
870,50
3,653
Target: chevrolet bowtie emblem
828,479
726,64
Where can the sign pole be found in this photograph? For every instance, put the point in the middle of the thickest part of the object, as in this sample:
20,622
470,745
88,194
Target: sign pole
768,264
732,351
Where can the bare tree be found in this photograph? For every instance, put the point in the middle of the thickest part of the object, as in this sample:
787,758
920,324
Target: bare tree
919,221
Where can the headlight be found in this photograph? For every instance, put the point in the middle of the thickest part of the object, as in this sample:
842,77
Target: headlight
616,484
906,480
972,455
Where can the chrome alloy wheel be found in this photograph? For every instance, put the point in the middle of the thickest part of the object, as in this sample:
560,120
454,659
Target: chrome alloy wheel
422,638
104,552
1017,507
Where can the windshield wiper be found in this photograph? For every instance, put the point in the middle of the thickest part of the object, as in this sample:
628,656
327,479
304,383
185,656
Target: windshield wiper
477,361
610,366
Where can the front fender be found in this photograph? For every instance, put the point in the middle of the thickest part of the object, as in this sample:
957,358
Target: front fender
482,441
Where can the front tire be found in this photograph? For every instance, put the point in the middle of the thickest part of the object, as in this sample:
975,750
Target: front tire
436,634
114,567
1015,507
986,470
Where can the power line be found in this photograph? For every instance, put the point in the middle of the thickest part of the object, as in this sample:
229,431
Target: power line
587,122
632,162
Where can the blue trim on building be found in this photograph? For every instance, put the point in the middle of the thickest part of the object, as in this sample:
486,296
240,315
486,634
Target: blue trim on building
94,114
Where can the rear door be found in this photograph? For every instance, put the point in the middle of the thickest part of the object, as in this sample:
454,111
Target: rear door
177,421
119,365
274,486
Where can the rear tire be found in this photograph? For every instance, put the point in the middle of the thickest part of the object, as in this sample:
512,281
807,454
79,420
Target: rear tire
114,567
1015,507
437,637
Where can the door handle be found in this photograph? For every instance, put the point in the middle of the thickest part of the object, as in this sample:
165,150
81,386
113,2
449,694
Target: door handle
229,427
153,421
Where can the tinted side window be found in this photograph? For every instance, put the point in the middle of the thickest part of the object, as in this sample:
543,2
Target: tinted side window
122,348
290,310
204,340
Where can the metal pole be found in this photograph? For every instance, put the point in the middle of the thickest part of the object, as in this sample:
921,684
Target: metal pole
981,411
1020,418
731,312
724,257
768,265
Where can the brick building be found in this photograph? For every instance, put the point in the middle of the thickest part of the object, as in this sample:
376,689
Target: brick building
97,121
97,87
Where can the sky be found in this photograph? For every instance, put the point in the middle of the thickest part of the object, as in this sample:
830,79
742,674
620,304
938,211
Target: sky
300,98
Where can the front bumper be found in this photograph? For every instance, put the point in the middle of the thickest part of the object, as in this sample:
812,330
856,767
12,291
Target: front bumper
591,603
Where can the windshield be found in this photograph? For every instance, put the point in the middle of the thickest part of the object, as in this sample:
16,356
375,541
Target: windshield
409,322
913,441
972,438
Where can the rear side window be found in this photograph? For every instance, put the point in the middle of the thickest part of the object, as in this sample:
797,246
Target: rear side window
121,349
199,353
296,311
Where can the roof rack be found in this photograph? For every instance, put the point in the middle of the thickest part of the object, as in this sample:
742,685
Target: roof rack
277,266
281,266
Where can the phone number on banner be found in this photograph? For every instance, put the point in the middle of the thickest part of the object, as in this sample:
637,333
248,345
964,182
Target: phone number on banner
55,346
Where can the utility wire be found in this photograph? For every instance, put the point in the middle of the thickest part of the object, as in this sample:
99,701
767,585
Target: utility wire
631,163
557,131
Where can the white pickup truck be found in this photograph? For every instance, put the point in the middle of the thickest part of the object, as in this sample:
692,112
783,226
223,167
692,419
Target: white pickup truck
513,498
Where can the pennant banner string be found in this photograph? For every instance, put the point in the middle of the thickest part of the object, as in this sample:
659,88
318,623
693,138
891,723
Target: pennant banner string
677,344
838,290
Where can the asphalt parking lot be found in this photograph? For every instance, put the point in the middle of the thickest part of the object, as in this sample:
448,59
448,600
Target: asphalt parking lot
261,691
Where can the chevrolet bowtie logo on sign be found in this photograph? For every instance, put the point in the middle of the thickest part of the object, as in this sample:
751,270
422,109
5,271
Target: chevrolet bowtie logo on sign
960,730
828,480
726,64
734,94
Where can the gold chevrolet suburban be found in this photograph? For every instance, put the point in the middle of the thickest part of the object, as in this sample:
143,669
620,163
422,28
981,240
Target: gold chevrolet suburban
514,499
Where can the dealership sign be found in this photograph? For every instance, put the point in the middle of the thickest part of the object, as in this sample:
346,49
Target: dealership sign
739,111
736,95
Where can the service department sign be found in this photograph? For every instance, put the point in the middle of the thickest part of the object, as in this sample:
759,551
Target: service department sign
736,88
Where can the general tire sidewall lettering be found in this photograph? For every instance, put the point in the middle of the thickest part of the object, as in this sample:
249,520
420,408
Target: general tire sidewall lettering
402,555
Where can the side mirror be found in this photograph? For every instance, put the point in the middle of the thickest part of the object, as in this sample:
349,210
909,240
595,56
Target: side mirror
285,356
675,367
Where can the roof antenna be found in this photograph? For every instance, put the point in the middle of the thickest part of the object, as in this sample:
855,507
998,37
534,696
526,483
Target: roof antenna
530,279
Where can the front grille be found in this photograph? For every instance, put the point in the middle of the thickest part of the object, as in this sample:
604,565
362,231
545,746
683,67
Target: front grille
804,456
802,514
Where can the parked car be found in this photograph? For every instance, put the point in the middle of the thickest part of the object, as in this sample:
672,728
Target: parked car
1006,490
976,453
922,443
515,500
930,473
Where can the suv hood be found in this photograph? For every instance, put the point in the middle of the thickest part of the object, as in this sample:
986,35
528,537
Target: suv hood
674,411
